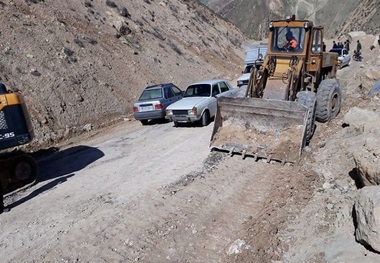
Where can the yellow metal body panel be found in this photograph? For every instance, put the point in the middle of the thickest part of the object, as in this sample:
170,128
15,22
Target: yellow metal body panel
329,59
10,99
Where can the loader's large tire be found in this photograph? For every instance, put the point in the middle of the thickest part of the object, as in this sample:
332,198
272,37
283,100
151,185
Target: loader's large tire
25,169
309,100
329,100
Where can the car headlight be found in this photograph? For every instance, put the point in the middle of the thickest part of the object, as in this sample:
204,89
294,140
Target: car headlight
240,82
169,112
193,111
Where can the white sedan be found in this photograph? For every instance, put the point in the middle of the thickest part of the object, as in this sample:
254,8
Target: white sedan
344,56
199,102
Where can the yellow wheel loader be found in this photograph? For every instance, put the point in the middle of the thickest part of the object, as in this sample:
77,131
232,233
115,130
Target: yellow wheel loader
296,85
17,169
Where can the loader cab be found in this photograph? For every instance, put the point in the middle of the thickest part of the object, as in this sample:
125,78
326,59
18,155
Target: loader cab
282,37
284,31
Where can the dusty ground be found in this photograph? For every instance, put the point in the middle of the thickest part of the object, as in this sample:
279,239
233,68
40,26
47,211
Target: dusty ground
155,193
152,193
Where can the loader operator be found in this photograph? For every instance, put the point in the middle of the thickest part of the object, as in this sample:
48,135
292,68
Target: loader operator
291,42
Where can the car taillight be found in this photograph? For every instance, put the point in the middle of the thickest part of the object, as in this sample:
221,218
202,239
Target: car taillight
158,106
135,109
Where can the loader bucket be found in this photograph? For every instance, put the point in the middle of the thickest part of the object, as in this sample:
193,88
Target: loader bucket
260,128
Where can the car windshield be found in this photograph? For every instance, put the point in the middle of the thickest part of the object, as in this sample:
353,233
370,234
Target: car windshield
248,69
198,90
286,39
149,94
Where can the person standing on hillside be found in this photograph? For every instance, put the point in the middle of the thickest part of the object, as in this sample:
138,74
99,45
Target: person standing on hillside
347,45
358,47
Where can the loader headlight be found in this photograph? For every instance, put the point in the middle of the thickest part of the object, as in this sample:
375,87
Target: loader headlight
313,61
260,57
271,25
306,24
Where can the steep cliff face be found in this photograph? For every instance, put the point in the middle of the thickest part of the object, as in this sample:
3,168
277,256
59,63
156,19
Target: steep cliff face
338,17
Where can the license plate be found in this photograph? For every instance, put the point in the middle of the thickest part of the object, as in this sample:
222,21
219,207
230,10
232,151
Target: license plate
181,118
146,108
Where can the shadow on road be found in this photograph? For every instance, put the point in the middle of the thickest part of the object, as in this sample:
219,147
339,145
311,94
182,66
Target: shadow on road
60,166
156,121
55,163
194,124
40,190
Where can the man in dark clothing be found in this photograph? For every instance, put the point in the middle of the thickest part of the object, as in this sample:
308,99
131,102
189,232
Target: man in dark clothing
2,208
347,45
323,47
334,45
358,47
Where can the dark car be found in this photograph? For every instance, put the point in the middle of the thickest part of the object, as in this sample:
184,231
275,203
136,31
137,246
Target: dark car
154,100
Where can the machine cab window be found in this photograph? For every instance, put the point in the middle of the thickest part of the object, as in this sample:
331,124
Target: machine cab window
286,39
317,44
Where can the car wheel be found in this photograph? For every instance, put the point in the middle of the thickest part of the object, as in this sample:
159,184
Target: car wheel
144,122
175,123
205,119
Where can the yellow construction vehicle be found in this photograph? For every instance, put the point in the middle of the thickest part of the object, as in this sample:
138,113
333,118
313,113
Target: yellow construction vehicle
17,169
295,85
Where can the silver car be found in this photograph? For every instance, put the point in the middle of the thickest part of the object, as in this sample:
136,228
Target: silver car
199,102
154,100
344,56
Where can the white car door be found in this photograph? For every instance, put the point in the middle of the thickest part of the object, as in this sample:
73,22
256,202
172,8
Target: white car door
345,57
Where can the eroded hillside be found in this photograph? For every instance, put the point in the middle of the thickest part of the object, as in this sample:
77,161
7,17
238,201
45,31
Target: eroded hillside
81,64
338,17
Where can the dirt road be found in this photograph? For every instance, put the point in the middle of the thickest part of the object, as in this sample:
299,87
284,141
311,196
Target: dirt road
156,193
151,193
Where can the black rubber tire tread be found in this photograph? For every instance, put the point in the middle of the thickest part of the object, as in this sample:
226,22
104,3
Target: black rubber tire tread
328,92
205,119
309,100
26,161
144,122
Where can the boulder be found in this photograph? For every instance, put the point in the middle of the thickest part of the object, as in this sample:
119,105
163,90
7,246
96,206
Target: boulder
367,212
356,34
368,164
366,152
365,120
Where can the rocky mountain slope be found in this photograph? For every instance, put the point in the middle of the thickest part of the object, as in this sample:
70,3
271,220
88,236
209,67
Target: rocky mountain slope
338,17
81,64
